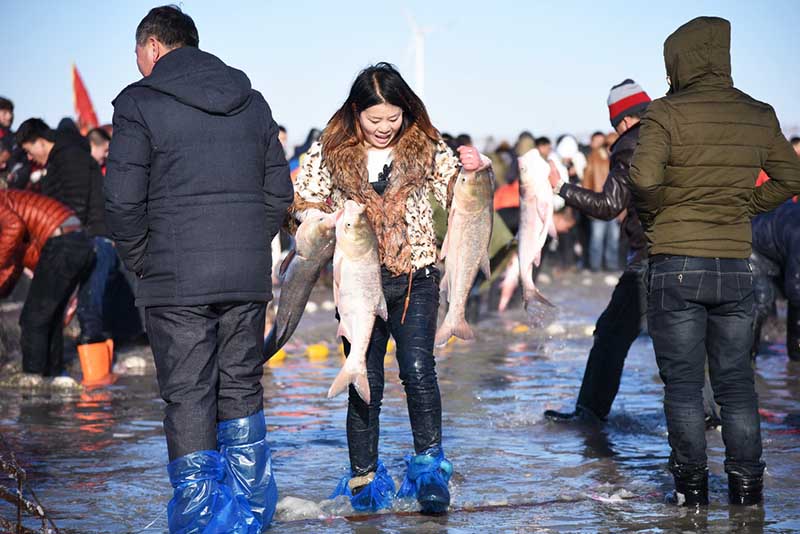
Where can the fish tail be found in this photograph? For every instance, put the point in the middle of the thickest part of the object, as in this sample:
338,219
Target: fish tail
347,377
531,294
277,337
270,345
460,328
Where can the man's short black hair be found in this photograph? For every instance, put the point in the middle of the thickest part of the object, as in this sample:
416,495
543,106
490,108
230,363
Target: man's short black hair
281,128
795,140
598,132
171,26
98,136
6,104
33,129
542,141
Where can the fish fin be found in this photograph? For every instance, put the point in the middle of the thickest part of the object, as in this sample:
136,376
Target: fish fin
337,276
361,383
534,294
286,261
343,331
445,244
485,267
551,228
383,309
347,377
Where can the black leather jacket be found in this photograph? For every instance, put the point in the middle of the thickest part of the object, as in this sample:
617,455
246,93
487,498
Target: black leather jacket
616,195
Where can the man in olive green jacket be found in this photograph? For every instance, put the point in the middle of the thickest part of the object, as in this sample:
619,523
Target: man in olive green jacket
693,176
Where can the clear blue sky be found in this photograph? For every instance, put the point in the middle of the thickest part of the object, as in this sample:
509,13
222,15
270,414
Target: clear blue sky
492,67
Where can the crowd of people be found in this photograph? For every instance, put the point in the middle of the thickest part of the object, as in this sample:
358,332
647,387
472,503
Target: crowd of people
157,205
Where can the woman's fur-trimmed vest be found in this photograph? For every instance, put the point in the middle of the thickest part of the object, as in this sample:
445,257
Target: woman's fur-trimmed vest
412,166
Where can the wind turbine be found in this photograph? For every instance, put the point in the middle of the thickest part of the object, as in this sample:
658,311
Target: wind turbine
418,45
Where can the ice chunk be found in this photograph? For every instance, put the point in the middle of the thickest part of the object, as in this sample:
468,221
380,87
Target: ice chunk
294,509
617,497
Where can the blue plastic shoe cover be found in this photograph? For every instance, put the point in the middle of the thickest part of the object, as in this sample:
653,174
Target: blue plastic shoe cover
201,503
425,468
248,464
377,495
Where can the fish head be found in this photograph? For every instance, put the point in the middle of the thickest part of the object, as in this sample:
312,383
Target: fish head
315,233
533,170
474,190
354,233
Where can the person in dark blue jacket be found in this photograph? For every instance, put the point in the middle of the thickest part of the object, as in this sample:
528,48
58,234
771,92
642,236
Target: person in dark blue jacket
197,186
776,262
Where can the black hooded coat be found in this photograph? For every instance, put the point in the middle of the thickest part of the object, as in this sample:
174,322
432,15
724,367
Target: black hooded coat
197,184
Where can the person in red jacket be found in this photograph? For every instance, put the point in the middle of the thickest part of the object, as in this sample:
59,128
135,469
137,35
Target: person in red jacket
45,236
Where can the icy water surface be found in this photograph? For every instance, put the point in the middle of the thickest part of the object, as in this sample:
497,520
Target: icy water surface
97,460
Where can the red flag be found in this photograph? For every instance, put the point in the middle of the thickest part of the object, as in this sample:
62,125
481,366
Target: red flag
84,111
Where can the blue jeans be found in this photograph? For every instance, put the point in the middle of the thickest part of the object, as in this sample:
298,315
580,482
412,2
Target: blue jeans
698,308
604,245
92,296
414,340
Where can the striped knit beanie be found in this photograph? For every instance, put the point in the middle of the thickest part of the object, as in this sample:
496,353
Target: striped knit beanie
626,98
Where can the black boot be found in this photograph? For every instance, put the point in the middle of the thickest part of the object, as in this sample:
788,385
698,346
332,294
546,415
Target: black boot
579,416
745,490
793,332
691,488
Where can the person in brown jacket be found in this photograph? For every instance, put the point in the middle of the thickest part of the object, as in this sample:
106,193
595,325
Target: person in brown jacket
43,235
693,176
604,236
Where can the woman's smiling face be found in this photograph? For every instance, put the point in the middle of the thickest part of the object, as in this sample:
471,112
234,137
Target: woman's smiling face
380,124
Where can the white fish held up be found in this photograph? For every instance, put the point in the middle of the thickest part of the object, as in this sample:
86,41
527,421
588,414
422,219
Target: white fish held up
358,293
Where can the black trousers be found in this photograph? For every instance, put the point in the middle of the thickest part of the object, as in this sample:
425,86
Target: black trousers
414,339
616,330
699,307
64,261
209,366
770,279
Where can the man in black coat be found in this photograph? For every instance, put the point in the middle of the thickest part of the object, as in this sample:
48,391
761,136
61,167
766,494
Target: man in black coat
73,177
776,262
620,323
197,186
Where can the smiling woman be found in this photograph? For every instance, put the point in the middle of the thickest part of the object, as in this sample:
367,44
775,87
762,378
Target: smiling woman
381,151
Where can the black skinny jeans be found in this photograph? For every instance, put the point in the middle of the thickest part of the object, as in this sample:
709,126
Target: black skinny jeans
414,339
615,331
699,307
65,260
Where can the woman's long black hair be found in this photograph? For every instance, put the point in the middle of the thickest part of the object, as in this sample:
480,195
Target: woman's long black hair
377,84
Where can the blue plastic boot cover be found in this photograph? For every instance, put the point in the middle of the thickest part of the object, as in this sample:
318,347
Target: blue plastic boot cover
425,468
248,464
376,496
201,503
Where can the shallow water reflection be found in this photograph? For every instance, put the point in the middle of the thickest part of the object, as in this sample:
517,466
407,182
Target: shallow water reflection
96,460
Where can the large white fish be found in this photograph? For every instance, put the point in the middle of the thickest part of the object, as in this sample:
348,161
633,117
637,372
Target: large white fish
535,220
358,293
313,249
466,248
